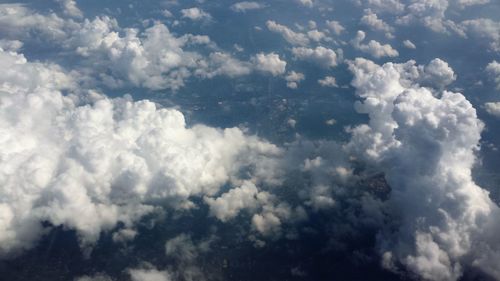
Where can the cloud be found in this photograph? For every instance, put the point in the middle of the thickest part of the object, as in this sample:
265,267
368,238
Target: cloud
150,274
328,81
293,78
493,70
70,8
220,63
11,45
269,63
493,108
195,14
425,145
307,3
247,6
408,44
484,28
371,20
466,3
373,47
320,55
289,35
20,22
103,159
335,26
385,6
229,204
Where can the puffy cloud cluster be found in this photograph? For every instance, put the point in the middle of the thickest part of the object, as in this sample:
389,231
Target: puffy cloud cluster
17,20
293,78
493,70
107,161
117,57
425,145
246,6
195,14
484,28
371,20
373,47
307,3
328,81
269,63
268,214
70,8
292,37
320,55
155,59
493,108
335,27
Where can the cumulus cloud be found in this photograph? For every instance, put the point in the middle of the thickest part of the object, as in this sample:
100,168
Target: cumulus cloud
20,22
371,20
195,14
484,28
493,108
493,70
373,47
307,3
320,55
246,6
11,45
386,6
293,78
289,35
229,204
425,145
70,8
466,3
328,81
149,274
104,160
269,63
335,27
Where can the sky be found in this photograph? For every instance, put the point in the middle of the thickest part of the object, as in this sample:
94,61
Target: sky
203,140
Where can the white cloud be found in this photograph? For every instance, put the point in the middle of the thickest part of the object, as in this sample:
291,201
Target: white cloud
101,160
11,45
466,3
307,3
493,108
484,28
269,63
320,55
150,274
229,204
293,78
493,70
373,47
224,64
70,8
385,6
335,26
328,81
97,277
195,14
246,6
289,35
20,22
425,145
408,44
316,35
371,20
